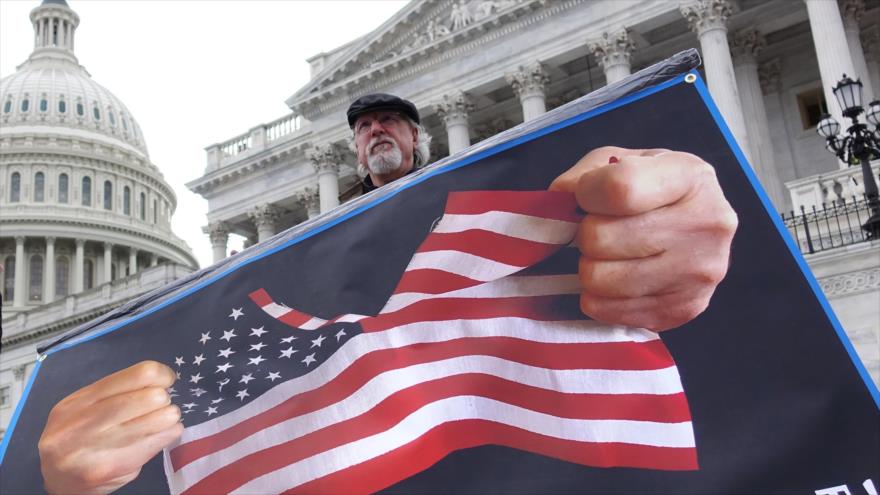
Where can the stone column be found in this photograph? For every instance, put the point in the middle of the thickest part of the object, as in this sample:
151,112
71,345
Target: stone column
454,111
871,45
528,83
132,261
19,297
614,53
832,52
108,262
745,48
708,18
309,200
326,159
219,234
78,265
264,217
852,12
154,259
49,271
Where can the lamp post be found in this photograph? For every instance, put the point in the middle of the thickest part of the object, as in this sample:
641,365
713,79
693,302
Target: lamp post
859,144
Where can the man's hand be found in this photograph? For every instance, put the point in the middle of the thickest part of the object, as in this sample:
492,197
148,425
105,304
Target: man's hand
656,239
98,438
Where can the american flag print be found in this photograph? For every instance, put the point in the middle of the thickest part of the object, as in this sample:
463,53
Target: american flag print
482,342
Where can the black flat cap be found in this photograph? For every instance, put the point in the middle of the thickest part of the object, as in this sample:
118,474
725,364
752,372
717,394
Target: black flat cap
381,101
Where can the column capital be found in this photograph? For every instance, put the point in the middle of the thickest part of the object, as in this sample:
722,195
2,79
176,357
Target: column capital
613,48
19,239
79,243
454,108
309,199
18,371
50,239
746,44
529,80
218,232
326,158
871,42
851,11
133,250
265,215
769,74
706,15
108,246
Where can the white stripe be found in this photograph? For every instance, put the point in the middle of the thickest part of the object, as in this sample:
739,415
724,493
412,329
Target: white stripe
276,310
464,408
526,227
656,382
558,332
464,264
514,286
312,324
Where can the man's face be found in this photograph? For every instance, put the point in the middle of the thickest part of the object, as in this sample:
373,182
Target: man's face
385,141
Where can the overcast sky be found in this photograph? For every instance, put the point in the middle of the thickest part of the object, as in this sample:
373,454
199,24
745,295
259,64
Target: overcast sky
194,73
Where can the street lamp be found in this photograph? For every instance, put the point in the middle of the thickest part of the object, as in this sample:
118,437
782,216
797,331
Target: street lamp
859,144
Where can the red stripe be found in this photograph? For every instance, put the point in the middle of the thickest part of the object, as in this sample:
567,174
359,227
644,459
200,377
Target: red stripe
399,464
545,204
430,281
490,245
260,297
294,318
395,408
541,308
613,355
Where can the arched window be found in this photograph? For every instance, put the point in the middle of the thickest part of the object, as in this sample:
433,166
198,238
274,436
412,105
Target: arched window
96,112
9,278
62,276
124,123
62,188
80,109
15,188
87,191
44,104
7,107
108,195
25,105
62,106
143,207
39,187
35,282
88,274
126,200
111,117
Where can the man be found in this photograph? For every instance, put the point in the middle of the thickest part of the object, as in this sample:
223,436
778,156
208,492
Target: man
655,243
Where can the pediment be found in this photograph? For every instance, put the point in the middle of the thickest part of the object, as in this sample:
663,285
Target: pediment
420,29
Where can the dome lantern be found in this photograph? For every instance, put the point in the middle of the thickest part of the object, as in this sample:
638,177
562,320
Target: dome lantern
55,26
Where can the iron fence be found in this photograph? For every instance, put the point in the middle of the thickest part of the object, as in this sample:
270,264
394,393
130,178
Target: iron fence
831,226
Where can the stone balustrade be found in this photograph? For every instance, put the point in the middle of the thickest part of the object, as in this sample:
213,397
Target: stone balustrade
830,187
258,138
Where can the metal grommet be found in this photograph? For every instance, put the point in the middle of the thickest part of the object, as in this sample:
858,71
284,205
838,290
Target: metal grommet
690,78
42,358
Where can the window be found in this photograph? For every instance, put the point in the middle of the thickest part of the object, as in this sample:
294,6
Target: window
113,271
39,187
143,207
9,278
62,106
7,107
44,104
25,105
111,117
108,195
88,274
5,396
62,276
62,188
87,191
812,107
96,112
155,211
124,123
126,200
15,188
80,110
35,284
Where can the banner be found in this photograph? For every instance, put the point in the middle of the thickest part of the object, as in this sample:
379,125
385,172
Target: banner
427,338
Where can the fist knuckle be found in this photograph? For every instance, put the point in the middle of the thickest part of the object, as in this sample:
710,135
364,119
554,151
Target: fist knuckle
622,187
156,396
150,371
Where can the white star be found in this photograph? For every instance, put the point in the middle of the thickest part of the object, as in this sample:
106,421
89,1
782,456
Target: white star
217,401
197,391
341,333
226,352
223,367
317,342
286,353
190,405
246,378
198,359
195,378
211,410
205,337
177,373
257,346
178,361
287,340
187,411
273,375
221,383
309,359
257,331
172,390
227,336
236,313
256,361
242,394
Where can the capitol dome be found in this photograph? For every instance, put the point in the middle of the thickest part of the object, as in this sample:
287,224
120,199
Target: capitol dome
81,204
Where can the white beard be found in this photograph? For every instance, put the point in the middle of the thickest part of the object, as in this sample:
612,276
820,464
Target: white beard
384,162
